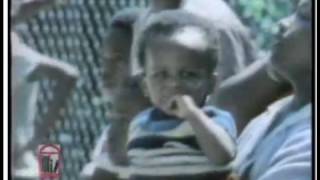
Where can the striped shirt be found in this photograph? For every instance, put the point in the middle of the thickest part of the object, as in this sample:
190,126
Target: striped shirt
164,147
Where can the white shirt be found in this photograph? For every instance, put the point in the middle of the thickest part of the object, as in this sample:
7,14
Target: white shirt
283,153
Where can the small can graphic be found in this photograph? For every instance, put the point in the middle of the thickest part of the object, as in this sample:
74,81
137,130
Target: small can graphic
50,161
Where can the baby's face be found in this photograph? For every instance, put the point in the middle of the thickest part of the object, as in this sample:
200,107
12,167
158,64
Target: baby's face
173,70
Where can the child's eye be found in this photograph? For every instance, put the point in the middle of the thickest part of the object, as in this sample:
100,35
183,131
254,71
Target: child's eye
160,75
188,75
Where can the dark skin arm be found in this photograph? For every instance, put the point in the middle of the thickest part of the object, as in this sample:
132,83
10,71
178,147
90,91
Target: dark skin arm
125,106
212,138
248,93
115,146
117,140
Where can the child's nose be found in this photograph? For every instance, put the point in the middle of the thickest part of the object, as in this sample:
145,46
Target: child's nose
173,83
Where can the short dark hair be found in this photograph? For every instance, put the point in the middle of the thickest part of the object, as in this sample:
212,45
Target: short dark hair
167,22
125,19
122,23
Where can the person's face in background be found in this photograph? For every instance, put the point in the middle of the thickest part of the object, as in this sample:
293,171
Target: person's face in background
119,89
291,56
115,54
171,70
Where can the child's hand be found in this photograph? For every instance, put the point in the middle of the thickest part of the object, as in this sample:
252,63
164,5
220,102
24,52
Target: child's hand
181,105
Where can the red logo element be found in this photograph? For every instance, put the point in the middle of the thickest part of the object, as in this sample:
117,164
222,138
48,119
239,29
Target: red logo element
50,161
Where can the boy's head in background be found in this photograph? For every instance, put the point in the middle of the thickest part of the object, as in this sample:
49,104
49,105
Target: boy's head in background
119,88
179,53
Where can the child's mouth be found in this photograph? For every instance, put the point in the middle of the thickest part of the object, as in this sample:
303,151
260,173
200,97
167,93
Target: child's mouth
173,105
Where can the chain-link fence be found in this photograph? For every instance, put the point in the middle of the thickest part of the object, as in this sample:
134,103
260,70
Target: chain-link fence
74,33
261,17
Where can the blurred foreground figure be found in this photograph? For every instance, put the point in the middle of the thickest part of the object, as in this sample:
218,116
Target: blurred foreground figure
28,67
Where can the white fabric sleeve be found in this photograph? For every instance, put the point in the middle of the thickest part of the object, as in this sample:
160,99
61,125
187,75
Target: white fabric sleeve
292,160
24,59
